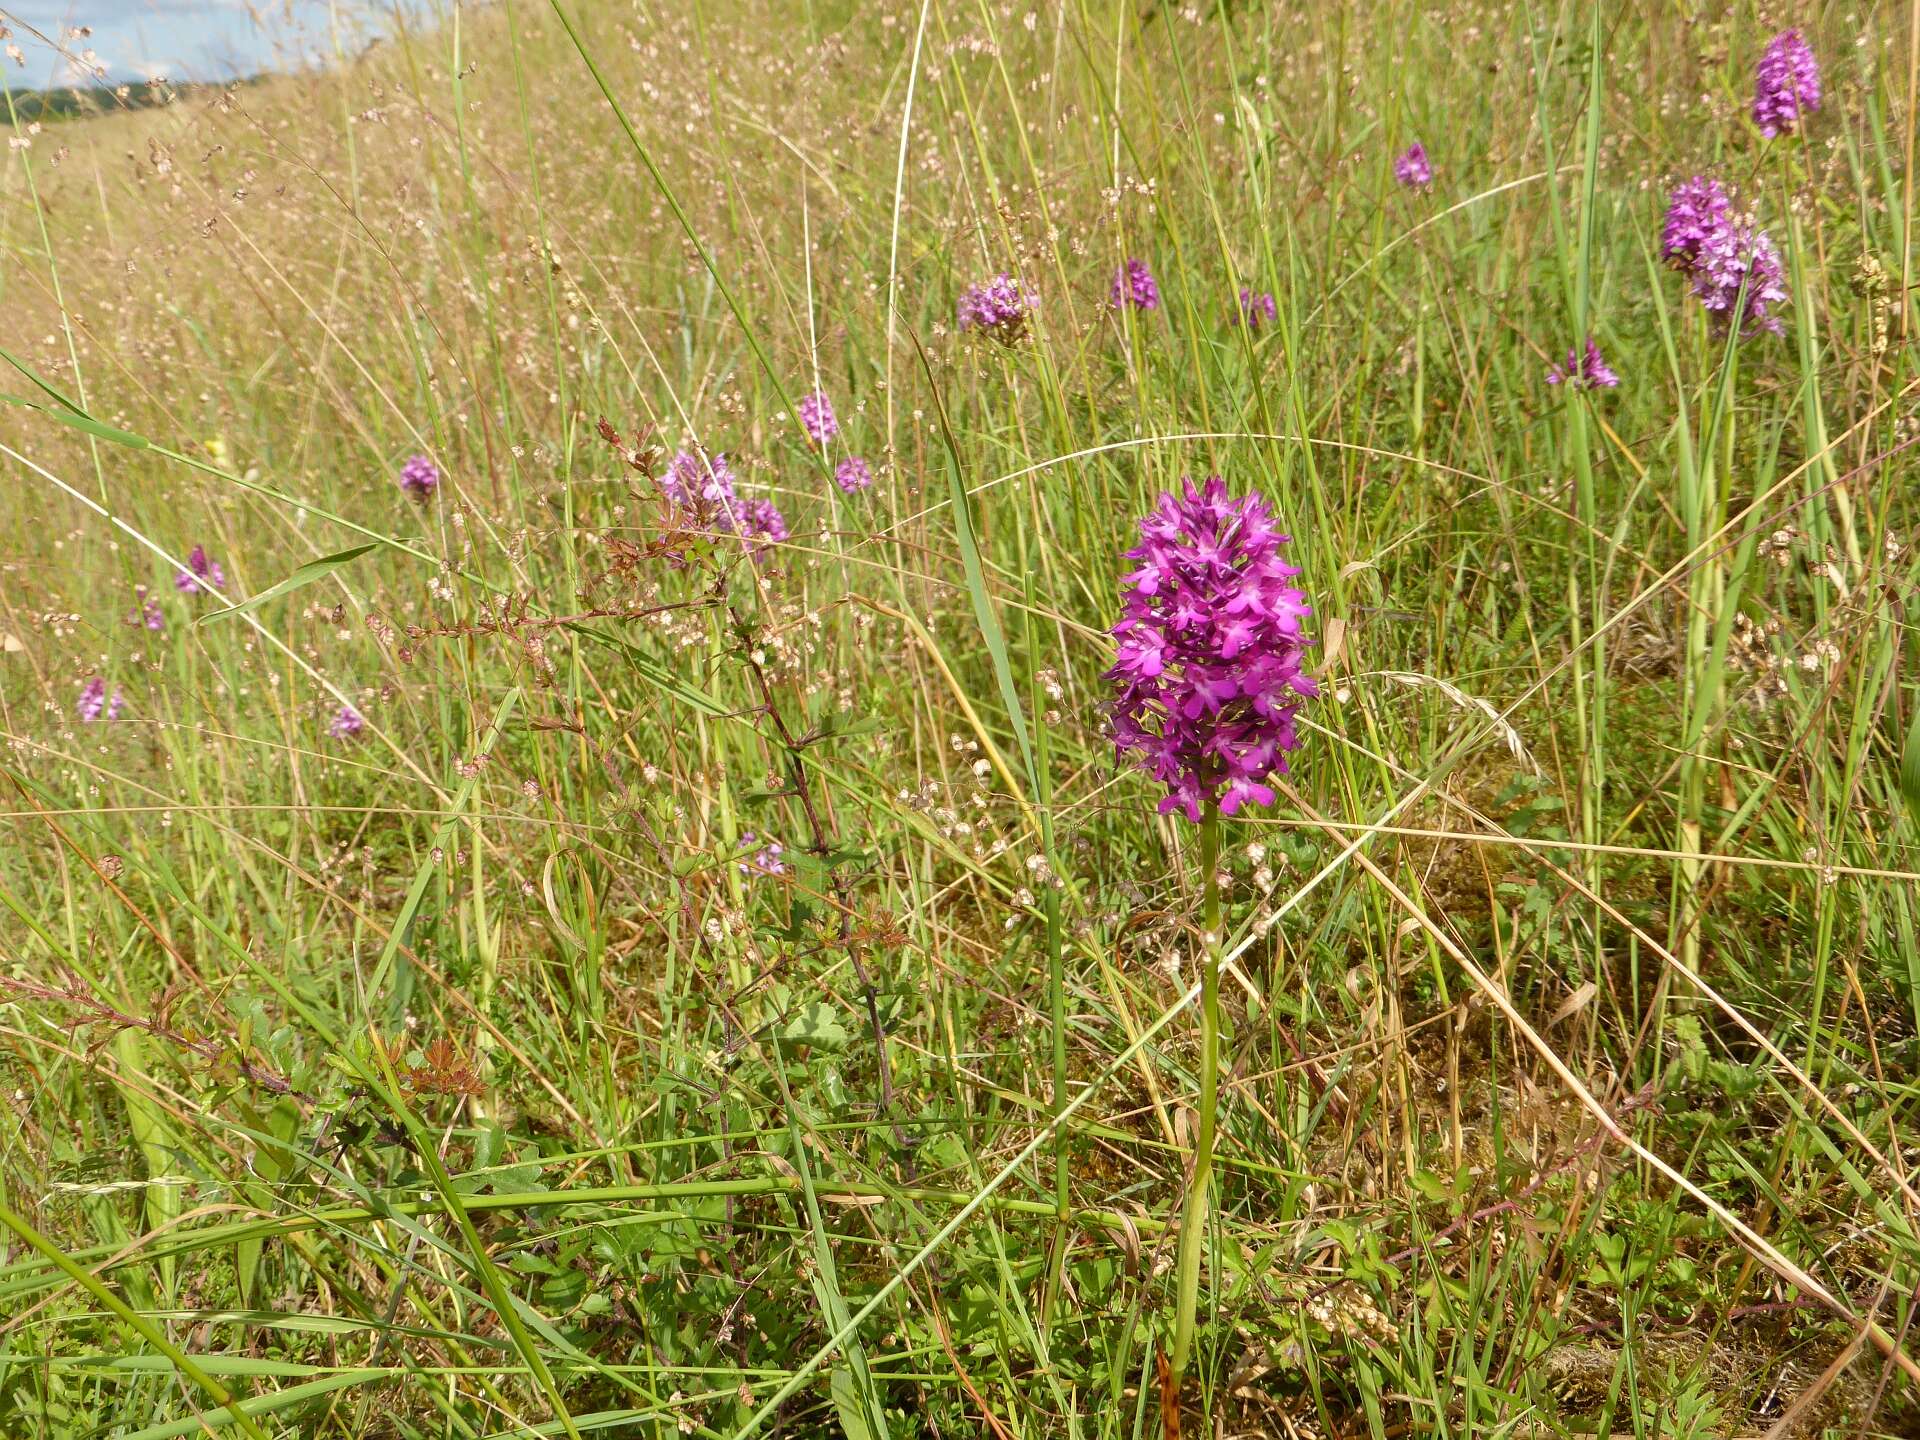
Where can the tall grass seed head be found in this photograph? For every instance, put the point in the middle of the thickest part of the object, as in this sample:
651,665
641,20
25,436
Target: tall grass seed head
1209,670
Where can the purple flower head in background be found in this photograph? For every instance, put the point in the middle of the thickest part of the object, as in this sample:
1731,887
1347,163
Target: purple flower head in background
701,486
200,574
420,477
1256,308
853,475
94,703
1785,85
346,723
1411,167
766,861
146,610
1584,371
1697,209
1134,285
816,417
1721,252
1000,307
1208,673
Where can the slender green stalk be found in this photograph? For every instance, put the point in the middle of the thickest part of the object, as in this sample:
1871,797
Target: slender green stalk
1193,1218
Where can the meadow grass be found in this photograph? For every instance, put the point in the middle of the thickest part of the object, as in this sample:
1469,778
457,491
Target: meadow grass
545,967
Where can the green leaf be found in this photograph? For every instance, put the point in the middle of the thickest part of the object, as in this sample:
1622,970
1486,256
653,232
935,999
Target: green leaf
846,1400
1910,767
816,1024
308,573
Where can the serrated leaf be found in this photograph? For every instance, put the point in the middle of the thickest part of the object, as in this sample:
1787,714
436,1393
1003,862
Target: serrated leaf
308,573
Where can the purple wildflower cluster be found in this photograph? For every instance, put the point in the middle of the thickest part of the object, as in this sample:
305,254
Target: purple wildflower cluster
817,418
1000,307
146,610
1257,307
346,724
1210,650
1412,168
1732,262
420,477
702,486
95,704
1785,85
200,574
853,475
766,860
1133,284
1588,371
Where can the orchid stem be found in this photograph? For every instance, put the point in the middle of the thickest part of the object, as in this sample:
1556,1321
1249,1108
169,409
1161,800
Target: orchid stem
1193,1218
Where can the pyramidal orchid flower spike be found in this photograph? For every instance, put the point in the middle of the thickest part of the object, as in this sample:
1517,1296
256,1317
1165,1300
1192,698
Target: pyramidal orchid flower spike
1412,168
701,488
1208,677
999,307
420,477
817,417
201,573
1588,371
1786,84
1134,285
1734,266
1211,651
